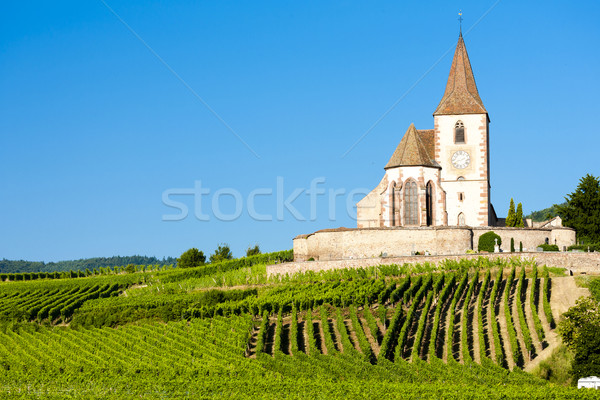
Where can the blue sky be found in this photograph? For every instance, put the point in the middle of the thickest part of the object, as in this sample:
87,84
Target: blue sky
94,127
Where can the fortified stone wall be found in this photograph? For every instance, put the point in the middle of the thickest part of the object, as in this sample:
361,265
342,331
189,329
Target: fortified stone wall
530,237
344,243
578,263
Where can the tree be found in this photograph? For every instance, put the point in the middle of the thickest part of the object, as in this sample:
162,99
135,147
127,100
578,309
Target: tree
191,258
582,210
579,331
510,218
487,241
512,245
252,251
519,217
221,253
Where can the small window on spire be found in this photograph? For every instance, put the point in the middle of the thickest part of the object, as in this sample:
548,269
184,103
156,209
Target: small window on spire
459,132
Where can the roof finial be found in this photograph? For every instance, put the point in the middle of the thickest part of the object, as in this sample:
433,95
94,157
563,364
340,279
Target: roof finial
460,19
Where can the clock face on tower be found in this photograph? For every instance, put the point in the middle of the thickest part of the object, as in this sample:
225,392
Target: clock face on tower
461,159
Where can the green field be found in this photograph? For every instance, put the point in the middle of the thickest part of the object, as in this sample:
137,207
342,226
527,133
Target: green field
459,330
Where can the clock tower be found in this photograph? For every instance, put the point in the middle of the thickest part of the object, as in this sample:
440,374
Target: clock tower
461,146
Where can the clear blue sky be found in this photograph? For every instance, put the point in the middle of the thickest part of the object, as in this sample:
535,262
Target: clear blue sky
94,128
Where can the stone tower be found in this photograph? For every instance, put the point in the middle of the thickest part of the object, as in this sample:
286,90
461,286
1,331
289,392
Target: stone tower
461,134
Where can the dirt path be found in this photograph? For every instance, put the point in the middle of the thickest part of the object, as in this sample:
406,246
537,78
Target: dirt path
443,329
338,335
517,322
458,314
563,295
352,334
475,323
320,336
537,343
382,327
251,347
564,292
487,321
424,355
370,338
503,327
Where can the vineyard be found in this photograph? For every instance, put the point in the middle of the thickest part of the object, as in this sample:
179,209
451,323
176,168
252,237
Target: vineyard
459,329
450,316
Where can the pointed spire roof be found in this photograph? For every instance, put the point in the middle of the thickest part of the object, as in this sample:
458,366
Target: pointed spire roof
461,96
413,150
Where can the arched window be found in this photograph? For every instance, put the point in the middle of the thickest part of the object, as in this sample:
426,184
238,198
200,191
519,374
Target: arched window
460,178
461,219
393,204
459,132
429,203
411,204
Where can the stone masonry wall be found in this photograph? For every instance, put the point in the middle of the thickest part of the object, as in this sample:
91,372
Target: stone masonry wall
343,243
578,263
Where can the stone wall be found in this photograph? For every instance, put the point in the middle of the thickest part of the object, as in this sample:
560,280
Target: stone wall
344,243
578,263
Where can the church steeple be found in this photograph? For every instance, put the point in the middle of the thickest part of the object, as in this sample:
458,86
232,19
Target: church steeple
461,96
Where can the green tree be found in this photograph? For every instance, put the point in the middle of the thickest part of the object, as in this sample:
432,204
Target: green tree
191,258
519,217
579,329
221,253
582,210
252,251
487,241
510,218
512,245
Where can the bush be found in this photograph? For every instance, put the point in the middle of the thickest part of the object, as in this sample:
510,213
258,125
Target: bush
592,247
487,241
191,258
549,247
512,245
252,251
222,253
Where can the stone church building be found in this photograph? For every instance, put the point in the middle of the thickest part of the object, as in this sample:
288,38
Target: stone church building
434,197
440,176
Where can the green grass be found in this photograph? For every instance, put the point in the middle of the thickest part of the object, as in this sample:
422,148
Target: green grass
556,368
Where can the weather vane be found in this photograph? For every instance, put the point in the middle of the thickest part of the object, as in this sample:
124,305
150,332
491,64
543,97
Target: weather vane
460,19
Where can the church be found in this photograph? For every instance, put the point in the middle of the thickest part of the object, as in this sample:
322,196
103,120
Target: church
434,197
440,176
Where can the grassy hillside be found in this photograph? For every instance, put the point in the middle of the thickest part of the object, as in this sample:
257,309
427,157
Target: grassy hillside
463,330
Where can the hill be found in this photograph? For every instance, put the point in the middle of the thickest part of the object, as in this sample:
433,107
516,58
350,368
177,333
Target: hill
545,214
467,329
10,266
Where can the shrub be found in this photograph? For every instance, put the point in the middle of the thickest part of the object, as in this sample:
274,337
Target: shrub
487,241
592,247
191,258
512,245
252,251
222,253
549,247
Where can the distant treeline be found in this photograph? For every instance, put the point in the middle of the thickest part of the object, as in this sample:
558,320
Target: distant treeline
545,214
9,266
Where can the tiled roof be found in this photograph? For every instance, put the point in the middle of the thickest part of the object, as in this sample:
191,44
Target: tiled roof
461,96
415,148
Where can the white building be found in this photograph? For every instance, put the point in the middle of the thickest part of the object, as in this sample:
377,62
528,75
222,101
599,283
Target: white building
440,176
